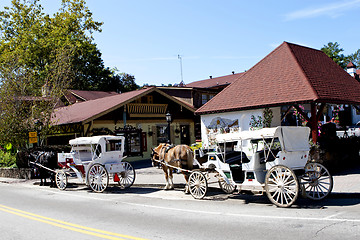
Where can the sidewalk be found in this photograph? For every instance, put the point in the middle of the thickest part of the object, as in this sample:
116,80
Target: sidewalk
146,175
347,181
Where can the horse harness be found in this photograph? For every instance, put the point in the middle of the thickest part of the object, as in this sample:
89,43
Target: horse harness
165,149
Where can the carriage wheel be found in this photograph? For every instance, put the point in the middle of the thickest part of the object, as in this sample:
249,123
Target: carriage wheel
281,185
127,177
61,179
227,188
317,182
98,178
197,185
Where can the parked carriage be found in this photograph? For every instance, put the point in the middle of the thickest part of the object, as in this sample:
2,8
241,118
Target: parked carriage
274,161
95,161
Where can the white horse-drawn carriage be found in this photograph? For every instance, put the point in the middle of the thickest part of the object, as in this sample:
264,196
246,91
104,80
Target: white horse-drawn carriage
94,161
274,161
270,160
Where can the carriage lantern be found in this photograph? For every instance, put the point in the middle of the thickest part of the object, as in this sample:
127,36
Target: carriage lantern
168,119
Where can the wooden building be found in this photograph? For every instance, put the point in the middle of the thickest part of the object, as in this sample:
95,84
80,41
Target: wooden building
288,77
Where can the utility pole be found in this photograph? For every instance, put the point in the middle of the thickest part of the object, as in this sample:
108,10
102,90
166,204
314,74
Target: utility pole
181,71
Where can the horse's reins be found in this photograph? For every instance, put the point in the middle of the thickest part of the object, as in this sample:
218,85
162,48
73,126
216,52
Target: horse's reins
166,164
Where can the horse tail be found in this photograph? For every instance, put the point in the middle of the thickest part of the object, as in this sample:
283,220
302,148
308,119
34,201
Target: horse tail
190,157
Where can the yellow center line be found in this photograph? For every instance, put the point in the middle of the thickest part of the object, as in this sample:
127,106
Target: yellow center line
70,226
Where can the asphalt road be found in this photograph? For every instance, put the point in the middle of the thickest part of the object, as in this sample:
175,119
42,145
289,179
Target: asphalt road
28,211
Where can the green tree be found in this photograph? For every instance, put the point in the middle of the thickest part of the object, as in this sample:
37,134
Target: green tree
40,56
24,107
355,58
334,51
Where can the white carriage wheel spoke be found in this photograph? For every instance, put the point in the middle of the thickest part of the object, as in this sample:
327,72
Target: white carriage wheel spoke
273,187
197,192
287,177
290,183
278,195
287,197
273,177
281,197
202,188
292,191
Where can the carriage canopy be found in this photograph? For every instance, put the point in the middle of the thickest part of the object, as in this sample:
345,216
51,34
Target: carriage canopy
291,138
93,140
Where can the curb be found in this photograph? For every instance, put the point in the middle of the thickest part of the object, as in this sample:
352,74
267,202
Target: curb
157,185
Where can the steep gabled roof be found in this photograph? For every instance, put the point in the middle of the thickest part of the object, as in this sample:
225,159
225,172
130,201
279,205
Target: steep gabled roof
290,74
214,82
350,65
74,96
91,95
87,111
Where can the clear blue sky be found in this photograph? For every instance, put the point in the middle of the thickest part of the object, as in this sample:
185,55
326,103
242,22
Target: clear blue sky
144,37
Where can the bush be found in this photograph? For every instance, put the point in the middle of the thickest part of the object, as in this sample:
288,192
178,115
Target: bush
7,159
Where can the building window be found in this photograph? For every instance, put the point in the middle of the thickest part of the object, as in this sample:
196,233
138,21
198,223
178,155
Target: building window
113,145
162,136
206,97
146,99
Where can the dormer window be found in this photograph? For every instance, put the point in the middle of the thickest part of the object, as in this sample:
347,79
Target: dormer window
351,69
206,97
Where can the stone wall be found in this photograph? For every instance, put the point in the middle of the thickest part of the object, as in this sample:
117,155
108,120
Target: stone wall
19,173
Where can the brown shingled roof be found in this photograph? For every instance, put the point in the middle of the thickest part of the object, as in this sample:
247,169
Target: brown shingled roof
84,112
288,75
91,95
351,65
215,82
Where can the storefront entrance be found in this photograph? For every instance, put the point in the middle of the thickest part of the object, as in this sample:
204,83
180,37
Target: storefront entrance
185,134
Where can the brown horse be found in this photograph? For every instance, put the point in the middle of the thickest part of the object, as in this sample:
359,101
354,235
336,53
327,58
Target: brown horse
180,156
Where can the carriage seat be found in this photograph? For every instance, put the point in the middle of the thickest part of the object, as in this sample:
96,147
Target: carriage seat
83,158
234,158
235,164
271,157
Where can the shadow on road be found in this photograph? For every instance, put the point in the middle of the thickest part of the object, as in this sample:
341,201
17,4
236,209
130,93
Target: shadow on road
134,190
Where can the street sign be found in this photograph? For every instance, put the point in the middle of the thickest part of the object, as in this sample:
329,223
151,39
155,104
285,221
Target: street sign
32,137
32,134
